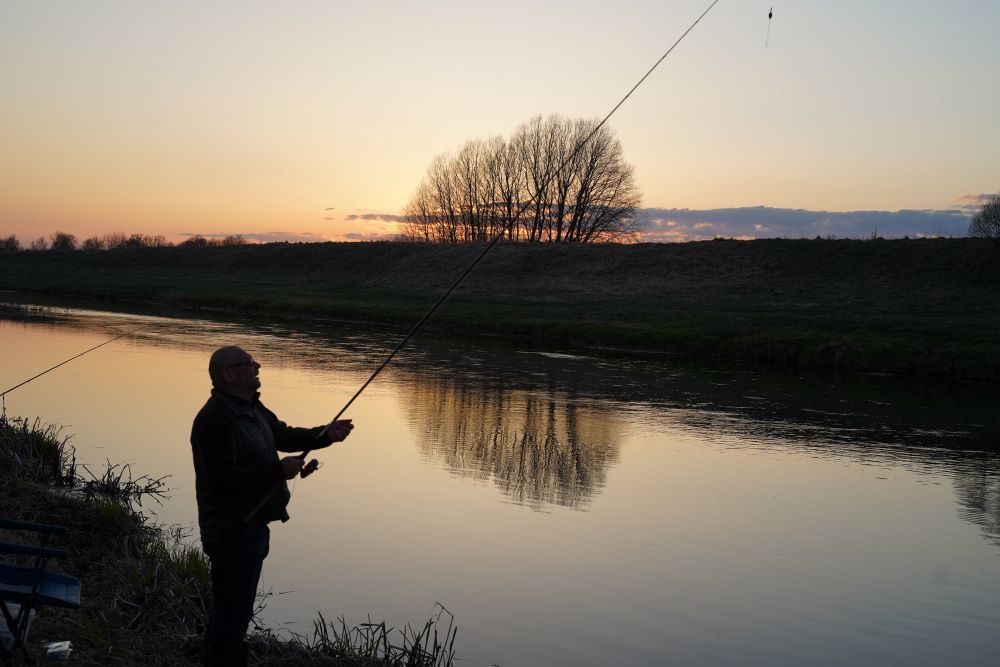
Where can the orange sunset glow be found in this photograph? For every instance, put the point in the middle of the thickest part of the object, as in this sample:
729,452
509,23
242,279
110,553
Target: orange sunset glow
317,121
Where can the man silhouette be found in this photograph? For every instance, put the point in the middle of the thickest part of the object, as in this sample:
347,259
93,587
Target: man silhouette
241,487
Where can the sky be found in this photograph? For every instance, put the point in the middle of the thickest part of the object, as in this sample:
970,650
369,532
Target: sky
317,120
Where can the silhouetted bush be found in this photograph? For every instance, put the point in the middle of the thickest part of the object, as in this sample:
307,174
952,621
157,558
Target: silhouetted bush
94,243
10,243
39,244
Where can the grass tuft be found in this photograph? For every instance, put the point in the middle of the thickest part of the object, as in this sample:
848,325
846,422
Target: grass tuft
36,453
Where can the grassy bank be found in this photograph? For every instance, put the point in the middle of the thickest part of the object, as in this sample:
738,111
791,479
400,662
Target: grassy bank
145,591
928,307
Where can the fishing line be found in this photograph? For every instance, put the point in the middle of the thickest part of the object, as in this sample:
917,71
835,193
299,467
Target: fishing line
35,377
524,207
21,384
520,212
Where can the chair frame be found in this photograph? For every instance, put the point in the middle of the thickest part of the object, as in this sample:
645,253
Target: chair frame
18,624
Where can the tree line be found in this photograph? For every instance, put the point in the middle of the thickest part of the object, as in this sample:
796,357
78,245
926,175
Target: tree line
113,241
532,188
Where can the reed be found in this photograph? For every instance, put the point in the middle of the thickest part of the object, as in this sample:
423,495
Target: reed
36,452
424,647
365,644
117,485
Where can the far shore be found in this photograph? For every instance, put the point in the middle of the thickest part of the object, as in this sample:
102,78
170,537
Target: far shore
927,309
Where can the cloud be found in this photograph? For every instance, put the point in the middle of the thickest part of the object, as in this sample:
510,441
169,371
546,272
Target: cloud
290,237
972,203
661,225
267,237
357,236
383,217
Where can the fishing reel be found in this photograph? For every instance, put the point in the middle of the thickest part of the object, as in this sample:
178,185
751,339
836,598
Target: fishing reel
310,468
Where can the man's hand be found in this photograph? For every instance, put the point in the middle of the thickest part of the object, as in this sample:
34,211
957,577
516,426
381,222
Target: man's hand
290,466
338,430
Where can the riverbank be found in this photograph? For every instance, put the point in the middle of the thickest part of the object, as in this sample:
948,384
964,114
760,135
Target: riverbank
145,591
922,308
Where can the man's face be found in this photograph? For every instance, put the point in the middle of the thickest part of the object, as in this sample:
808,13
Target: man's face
243,374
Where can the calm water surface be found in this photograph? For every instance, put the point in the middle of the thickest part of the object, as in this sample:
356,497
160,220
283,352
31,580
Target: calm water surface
573,510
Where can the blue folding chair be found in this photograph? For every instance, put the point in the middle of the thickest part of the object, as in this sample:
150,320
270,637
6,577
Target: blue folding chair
24,588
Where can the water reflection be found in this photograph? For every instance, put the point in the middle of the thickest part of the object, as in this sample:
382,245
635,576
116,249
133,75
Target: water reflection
546,429
753,515
352,348
977,490
538,447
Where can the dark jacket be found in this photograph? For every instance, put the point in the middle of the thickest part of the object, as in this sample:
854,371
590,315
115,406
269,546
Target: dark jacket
235,444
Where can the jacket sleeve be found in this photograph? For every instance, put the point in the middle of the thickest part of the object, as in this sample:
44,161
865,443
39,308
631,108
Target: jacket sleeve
294,438
214,444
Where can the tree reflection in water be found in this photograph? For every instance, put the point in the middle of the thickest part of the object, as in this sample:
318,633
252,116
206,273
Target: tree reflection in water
538,447
977,490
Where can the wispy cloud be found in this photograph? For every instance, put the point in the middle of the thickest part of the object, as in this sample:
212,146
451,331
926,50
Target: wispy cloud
661,225
381,217
266,237
972,203
357,236
682,224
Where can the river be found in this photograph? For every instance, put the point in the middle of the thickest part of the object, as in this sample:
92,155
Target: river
572,510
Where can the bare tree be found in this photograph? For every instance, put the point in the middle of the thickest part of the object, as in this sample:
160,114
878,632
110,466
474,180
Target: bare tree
199,241
420,217
986,223
10,243
115,240
605,196
555,180
63,241
145,241
505,168
94,243
433,213
39,244
196,241
534,141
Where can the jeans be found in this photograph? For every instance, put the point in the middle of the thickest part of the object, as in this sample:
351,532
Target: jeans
236,565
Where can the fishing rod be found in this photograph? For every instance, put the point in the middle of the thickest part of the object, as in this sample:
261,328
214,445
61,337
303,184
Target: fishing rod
61,363
524,207
496,239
